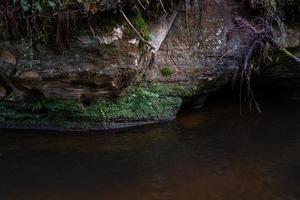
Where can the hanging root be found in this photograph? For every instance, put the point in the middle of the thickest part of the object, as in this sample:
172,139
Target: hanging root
9,15
66,20
259,34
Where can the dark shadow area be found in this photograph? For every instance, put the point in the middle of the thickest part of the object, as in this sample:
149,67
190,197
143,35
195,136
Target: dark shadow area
264,91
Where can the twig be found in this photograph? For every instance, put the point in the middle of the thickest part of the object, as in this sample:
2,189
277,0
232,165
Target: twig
290,55
141,5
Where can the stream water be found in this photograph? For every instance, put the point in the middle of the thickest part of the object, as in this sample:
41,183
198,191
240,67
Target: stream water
212,154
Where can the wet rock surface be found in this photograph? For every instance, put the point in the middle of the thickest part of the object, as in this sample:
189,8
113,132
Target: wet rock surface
195,43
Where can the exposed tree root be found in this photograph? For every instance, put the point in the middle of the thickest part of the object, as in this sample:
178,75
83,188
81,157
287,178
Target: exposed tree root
258,34
9,15
290,55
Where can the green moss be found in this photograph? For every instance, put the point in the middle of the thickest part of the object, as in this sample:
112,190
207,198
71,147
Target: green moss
167,71
155,102
140,24
174,90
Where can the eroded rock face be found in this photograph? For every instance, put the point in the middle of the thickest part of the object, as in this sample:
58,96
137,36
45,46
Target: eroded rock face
191,48
189,44
194,49
83,72
8,57
197,39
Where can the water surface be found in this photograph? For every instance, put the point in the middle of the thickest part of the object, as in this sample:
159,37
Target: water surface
212,154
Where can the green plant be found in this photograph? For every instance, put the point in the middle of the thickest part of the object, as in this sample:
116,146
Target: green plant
140,24
67,107
174,90
167,71
138,104
37,6
38,106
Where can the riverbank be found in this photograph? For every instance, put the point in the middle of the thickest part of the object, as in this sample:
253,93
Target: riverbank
139,106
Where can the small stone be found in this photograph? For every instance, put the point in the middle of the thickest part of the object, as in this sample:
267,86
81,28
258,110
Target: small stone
117,33
85,39
8,57
133,41
105,39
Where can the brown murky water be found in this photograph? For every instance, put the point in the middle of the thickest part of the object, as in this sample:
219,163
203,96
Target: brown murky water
213,154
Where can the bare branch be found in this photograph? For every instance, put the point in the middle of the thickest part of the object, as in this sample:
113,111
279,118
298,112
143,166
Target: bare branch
141,5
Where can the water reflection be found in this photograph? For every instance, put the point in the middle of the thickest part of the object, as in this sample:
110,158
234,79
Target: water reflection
215,154
192,119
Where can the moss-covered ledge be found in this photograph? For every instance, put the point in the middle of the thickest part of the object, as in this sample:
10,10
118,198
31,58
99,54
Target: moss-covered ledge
140,105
